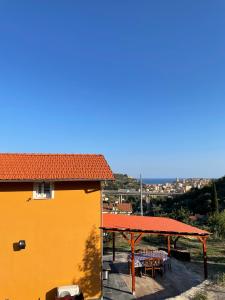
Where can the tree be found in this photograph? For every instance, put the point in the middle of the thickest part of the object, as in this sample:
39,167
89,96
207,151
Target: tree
134,202
174,241
182,214
217,223
214,203
222,224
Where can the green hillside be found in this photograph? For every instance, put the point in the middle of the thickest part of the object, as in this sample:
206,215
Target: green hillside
198,201
122,181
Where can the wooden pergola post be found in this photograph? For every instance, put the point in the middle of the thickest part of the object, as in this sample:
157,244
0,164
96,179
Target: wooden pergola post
168,245
205,258
204,250
132,262
113,245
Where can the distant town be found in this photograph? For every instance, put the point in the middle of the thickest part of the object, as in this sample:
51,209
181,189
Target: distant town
178,186
120,195
124,183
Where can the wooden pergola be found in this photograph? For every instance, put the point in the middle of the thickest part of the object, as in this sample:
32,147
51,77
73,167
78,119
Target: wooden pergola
133,227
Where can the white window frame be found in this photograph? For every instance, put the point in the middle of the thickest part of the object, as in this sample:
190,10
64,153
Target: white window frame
37,195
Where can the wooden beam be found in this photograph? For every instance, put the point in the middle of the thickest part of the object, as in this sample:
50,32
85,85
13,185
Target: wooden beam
202,238
168,245
113,241
132,262
163,233
138,238
124,235
175,242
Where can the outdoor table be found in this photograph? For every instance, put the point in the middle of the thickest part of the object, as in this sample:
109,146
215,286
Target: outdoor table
139,258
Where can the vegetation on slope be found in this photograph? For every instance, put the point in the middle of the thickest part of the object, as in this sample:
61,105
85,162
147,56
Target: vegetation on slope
122,181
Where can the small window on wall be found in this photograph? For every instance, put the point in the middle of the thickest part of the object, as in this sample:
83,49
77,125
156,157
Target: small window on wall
43,190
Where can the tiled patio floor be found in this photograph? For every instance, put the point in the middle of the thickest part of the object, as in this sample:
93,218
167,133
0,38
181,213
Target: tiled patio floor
115,288
170,285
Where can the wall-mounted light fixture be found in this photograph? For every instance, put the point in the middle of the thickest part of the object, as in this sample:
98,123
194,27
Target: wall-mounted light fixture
19,245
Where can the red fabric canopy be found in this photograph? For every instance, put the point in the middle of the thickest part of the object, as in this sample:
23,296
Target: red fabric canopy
149,224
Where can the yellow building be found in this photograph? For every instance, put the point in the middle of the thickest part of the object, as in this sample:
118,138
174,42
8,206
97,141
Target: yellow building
52,202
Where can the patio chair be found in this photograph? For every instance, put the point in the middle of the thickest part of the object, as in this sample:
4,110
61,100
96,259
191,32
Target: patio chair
149,251
137,270
138,251
158,265
149,265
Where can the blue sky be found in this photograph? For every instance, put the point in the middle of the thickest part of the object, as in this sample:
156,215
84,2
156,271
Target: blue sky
142,82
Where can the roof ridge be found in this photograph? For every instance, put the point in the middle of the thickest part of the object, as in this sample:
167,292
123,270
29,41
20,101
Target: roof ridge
50,154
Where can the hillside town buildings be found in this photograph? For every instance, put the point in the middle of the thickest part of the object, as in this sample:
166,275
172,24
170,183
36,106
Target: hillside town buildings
168,189
178,186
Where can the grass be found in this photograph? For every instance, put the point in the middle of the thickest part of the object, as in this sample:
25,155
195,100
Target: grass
215,249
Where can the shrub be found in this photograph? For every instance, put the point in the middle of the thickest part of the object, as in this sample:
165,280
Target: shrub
200,296
182,214
220,279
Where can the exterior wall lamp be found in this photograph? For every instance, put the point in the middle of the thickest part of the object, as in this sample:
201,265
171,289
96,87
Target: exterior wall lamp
19,245
22,244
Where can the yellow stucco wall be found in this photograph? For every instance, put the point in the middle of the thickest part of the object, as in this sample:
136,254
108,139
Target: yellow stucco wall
62,237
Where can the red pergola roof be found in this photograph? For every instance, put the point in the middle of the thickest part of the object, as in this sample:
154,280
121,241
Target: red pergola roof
147,224
32,166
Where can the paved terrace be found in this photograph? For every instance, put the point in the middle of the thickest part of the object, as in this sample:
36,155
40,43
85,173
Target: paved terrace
171,284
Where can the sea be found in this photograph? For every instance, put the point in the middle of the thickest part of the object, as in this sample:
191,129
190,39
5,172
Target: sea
158,180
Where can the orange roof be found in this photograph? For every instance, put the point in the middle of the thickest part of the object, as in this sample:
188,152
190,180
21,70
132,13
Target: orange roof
146,224
124,207
107,207
30,166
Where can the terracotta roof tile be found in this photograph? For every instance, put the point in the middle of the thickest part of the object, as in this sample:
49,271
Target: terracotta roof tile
149,224
33,166
126,207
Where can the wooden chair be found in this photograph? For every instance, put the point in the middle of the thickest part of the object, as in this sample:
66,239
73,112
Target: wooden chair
145,250
149,265
158,265
138,251
149,251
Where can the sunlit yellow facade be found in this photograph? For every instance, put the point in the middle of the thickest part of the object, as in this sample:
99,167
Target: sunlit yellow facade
62,240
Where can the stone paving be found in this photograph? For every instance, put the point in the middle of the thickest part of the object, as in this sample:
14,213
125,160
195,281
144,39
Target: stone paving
170,285
115,288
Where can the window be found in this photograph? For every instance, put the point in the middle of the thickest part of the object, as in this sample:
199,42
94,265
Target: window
43,190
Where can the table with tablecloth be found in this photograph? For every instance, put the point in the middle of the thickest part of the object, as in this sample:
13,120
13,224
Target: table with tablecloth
139,258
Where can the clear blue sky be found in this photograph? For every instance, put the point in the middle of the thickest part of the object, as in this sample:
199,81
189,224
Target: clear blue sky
142,82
